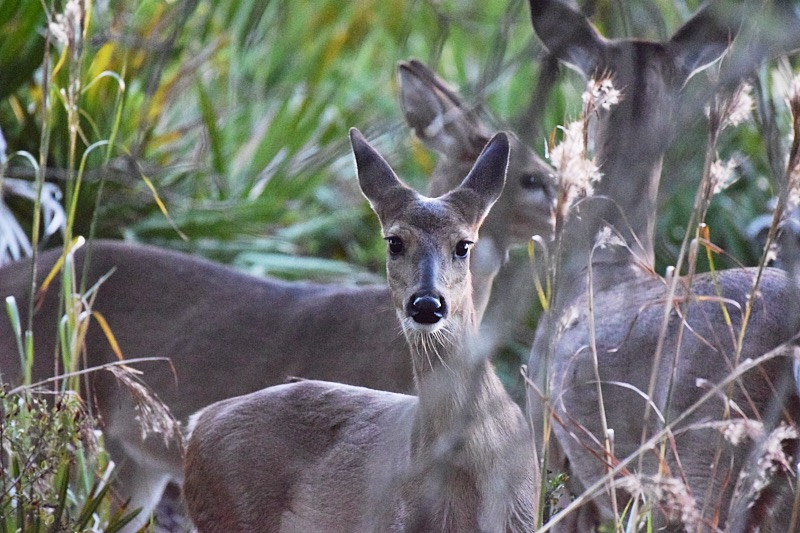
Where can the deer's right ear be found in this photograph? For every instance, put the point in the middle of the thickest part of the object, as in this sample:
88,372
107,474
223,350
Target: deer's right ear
375,177
435,112
568,35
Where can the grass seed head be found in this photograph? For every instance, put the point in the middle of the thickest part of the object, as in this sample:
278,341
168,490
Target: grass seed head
607,237
153,415
740,106
577,172
600,94
67,27
670,495
722,174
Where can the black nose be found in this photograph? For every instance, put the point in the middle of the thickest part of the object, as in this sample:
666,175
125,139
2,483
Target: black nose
426,308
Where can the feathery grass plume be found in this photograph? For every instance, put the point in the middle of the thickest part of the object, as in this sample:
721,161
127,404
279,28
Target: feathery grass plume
67,28
730,111
670,495
607,237
722,175
736,430
153,415
577,172
600,94
769,461
740,106
577,169
773,455
724,111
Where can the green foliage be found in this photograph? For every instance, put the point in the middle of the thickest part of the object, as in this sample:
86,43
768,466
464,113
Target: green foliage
238,113
49,459
555,489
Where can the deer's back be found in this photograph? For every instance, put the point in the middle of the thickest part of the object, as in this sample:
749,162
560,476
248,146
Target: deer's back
698,353
225,332
308,456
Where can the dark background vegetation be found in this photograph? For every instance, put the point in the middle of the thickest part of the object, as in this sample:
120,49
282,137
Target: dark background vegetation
238,112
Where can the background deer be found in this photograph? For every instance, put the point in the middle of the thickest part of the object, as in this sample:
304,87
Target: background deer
444,124
320,456
227,333
629,351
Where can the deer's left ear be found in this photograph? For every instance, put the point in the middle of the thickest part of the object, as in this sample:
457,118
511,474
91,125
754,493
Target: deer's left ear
484,183
704,39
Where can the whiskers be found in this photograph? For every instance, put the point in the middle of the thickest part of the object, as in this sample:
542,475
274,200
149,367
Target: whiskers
432,343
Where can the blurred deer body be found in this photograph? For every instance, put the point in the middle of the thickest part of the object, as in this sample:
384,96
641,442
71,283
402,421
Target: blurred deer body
228,334
322,456
610,306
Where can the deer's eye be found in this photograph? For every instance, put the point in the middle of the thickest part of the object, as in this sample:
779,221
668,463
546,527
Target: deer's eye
532,181
395,245
462,248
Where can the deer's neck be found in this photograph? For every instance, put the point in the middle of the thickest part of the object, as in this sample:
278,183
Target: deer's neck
625,201
461,402
468,439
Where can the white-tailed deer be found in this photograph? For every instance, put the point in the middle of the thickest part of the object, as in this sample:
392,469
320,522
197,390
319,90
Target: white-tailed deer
321,456
625,354
228,334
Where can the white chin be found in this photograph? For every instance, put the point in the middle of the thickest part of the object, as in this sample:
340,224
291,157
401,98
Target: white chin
412,326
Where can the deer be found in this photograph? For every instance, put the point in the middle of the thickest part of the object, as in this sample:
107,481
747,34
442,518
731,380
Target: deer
323,456
227,333
634,360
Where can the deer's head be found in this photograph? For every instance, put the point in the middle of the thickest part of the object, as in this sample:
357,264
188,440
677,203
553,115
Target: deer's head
429,239
630,137
444,124
650,74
